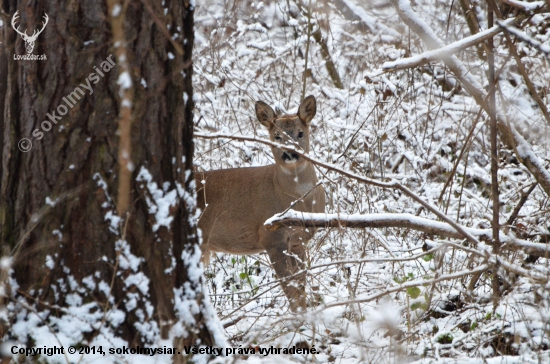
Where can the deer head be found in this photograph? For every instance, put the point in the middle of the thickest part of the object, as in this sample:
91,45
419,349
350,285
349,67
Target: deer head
29,40
288,129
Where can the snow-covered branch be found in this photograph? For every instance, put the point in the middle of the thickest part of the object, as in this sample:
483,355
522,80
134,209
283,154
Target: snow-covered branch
356,13
445,51
524,37
524,5
534,275
404,221
389,220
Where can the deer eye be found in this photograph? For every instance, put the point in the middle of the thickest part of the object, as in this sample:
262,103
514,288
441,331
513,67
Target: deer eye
301,134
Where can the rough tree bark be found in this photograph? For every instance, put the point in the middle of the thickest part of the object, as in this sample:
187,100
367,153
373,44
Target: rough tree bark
58,201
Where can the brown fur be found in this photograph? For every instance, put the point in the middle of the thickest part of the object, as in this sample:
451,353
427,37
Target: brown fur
236,202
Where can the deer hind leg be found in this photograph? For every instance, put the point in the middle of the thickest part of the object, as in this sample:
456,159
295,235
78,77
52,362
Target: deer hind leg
287,254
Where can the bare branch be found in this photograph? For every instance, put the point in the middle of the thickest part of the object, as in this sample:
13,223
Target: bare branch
521,67
473,24
318,36
355,13
494,156
520,204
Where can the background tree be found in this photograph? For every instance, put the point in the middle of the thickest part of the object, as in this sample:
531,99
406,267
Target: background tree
82,257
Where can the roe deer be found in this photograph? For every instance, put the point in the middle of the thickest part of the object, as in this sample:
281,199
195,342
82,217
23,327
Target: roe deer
236,202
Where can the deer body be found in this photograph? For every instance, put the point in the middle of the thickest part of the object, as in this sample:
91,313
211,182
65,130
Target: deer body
236,202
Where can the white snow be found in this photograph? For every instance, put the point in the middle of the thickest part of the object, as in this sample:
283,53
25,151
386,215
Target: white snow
159,201
116,11
124,80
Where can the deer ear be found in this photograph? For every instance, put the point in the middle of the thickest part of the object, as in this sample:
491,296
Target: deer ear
265,114
307,109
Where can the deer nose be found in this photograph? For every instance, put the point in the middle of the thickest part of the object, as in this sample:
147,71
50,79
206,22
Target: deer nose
290,157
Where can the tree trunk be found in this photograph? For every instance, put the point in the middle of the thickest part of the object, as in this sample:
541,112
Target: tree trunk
137,278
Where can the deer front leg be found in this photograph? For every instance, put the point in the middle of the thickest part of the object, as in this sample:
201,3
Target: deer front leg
286,250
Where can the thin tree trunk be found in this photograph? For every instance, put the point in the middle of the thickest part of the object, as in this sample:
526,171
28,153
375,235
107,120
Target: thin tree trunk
494,159
318,36
471,20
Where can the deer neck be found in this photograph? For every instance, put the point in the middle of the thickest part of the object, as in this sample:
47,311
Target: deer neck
296,181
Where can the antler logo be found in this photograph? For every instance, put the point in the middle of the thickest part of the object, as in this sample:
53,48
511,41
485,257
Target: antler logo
29,40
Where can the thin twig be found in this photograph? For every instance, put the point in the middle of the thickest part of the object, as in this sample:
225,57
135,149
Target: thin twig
300,199
495,198
416,283
304,76
520,204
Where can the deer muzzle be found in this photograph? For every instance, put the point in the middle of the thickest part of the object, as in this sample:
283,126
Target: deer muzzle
290,157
